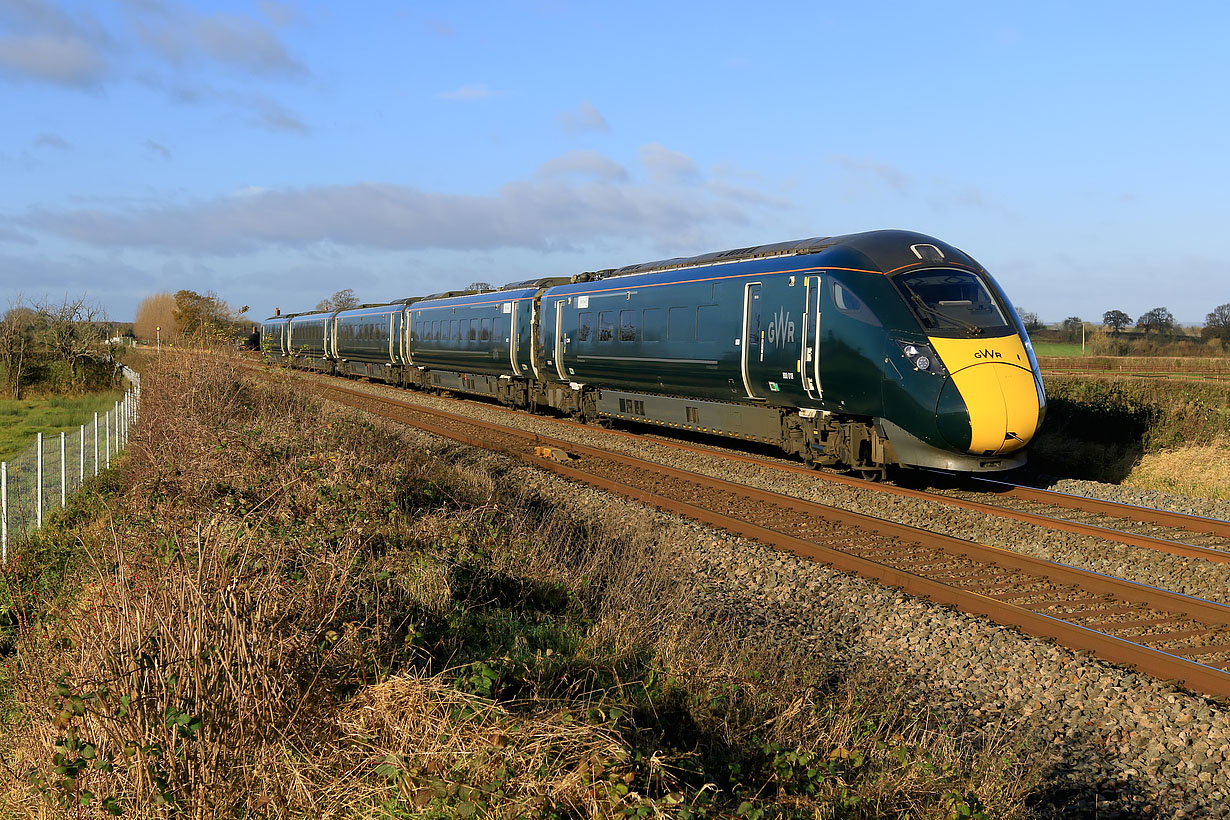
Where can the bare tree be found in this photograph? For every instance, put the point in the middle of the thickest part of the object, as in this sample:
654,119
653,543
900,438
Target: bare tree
74,330
17,331
342,300
1030,320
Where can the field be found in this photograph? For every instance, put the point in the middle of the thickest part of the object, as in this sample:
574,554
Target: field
1057,349
21,419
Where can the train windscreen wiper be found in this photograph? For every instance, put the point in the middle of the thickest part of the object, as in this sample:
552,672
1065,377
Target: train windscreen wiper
968,327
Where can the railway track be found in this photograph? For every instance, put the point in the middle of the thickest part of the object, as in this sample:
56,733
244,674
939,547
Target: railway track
1188,536
1160,633
1165,531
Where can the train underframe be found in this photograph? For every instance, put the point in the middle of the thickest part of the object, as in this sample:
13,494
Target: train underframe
868,446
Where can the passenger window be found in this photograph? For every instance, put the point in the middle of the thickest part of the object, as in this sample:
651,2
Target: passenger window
605,326
627,325
484,330
473,330
654,327
499,330
585,321
682,325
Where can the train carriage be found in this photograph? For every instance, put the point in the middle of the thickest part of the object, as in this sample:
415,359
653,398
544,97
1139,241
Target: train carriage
370,341
274,337
308,338
476,342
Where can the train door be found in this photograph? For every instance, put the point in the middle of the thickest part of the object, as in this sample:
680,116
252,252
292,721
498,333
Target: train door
407,317
392,340
753,337
513,335
560,341
810,354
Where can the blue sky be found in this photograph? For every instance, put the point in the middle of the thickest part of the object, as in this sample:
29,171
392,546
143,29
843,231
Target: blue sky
275,152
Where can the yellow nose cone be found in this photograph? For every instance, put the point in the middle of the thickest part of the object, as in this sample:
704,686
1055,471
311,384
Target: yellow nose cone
997,386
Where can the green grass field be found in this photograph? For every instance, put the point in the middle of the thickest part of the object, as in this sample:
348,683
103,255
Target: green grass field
21,420
1058,349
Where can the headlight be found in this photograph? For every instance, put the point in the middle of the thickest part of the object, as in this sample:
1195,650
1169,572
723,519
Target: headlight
922,357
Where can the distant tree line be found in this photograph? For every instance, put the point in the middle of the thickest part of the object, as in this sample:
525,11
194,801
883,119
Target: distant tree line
1159,321
68,345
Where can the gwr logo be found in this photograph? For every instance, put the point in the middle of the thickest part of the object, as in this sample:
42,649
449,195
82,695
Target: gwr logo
781,329
988,354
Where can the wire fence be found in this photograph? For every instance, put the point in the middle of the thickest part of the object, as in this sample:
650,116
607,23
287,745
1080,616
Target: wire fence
53,467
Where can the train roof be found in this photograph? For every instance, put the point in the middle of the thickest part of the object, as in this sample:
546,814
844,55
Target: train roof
886,249
474,298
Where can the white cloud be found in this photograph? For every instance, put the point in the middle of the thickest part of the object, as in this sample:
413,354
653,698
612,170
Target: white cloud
880,172
669,167
467,93
57,60
52,141
158,150
544,213
246,44
42,43
584,163
280,14
17,237
583,118
182,36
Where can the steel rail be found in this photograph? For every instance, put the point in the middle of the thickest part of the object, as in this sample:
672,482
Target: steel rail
1146,515
1148,660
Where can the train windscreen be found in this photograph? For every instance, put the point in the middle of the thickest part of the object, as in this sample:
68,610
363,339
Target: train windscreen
953,302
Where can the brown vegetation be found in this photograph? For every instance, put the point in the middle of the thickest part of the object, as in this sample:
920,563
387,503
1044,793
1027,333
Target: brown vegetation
1199,470
156,318
275,608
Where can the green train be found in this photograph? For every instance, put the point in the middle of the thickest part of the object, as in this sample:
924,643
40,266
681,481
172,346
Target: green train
867,350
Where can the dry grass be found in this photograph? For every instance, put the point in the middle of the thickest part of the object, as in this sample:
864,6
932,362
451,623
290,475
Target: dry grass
285,610
1202,471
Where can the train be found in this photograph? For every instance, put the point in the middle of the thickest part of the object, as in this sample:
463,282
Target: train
867,351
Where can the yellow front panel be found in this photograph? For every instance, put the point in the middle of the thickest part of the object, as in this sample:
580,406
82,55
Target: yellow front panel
995,380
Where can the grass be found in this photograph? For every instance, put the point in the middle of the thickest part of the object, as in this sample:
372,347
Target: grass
21,419
1196,470
275,608
1058,349
1165,434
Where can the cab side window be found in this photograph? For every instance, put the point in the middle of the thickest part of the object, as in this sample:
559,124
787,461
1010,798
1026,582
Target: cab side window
848,303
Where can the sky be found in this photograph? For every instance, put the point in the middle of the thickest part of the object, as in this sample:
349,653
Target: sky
276,152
